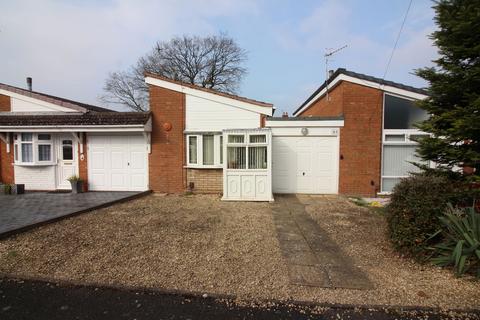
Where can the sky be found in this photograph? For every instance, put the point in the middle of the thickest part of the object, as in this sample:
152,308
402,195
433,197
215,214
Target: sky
69,47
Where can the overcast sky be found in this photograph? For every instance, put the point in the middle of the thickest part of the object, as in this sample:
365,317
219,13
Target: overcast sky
69,47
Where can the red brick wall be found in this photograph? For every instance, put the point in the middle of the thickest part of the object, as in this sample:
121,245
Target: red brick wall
167,159
5,105
360,138
83,164
332,107
6,163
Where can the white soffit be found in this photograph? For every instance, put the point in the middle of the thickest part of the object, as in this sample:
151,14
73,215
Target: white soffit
303,123
385,88
209,96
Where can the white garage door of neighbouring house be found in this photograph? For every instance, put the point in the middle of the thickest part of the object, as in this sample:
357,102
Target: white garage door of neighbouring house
305,164
117,163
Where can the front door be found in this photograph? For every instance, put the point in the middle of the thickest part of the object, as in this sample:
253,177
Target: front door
67,160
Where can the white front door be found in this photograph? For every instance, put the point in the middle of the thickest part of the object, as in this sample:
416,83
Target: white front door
305,164
117,162
67,160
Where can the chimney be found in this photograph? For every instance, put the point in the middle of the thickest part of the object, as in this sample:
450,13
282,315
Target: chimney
285,114
29,83
330,73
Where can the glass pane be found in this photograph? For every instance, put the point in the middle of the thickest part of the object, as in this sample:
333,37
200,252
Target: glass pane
396,160
15,152
67,152
236,157
44,136
67,142
257,157
236,138
395,137
258,138
402,113
27,136
44,152
192,149
27,152
389,183
208,149
416,137
221,149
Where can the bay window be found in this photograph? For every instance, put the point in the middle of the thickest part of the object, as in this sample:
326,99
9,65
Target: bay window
204,150
33,149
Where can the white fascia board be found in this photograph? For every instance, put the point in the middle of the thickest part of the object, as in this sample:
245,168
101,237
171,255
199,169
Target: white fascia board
304,123
209,96
39,102
113,128
371,84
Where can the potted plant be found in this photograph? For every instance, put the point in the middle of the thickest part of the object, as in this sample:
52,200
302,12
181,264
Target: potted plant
77,184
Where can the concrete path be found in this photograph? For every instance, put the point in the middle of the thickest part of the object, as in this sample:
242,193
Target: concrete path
313,258
19,212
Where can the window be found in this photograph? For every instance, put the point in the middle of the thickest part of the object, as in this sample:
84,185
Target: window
192,149
33,149
208,150
256,148
402,113
205,150
399,140
67,150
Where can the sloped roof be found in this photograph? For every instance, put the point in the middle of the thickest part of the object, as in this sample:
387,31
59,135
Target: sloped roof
216,92
19,119
360,76
75,105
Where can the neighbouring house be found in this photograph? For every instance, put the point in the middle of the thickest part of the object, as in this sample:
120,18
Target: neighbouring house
352,136
377,141
47,139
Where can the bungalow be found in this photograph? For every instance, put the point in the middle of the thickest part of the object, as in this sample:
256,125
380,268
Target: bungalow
206,141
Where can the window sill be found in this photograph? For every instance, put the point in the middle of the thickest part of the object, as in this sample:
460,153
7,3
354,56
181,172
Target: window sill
38,164
190,166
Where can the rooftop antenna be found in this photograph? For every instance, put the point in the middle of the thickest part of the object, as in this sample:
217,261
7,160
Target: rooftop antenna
330,52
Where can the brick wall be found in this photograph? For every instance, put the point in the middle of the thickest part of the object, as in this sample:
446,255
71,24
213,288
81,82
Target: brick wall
5,105
360,138
166,161
206,180
6,163
83,164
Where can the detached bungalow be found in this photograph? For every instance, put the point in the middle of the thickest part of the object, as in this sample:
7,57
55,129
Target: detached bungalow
352,136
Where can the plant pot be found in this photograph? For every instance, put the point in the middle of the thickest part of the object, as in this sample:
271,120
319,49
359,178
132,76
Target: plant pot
77,186
18,188
6,188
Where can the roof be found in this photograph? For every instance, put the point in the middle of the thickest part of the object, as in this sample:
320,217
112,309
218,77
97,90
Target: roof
339,117
360,76
20,119
75,105
213,91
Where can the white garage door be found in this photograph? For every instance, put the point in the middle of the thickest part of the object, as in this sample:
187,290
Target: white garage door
117,163
305,165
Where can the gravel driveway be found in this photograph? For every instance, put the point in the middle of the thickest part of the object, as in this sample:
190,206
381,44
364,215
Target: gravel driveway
201,244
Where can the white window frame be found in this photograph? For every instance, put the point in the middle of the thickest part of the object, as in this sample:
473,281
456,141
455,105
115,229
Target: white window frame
217,164
35,152
246,143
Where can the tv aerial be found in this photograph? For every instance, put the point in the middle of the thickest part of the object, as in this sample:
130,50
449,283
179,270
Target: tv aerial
328,54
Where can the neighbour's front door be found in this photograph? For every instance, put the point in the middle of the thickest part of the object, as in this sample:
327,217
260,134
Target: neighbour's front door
67,160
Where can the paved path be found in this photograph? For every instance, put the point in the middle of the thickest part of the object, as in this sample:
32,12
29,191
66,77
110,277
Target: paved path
313,258
41,300
20,211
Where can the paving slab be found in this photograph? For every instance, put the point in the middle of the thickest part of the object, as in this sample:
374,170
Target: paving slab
21,212
313,258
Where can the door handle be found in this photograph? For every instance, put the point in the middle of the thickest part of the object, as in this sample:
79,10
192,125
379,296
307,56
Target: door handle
128,163
303,173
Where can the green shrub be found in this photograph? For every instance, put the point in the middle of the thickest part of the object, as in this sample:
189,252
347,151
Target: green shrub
461,245
413,213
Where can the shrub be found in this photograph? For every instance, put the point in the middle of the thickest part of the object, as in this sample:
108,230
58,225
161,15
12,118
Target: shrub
413,213
461,245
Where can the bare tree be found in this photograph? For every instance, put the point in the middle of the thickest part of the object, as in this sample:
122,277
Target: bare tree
214,62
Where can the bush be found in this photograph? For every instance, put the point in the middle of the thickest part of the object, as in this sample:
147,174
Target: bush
461,245
413,214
